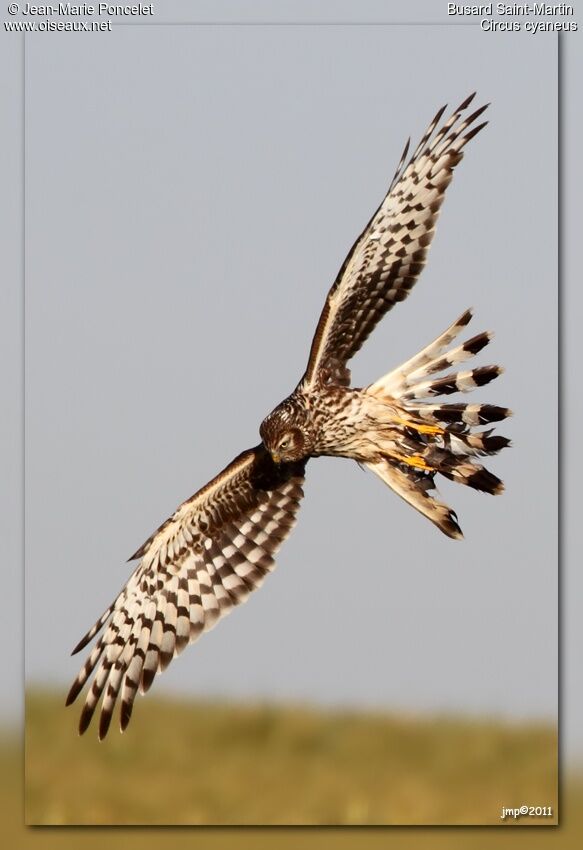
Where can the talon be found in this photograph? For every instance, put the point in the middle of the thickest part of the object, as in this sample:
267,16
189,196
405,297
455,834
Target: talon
428,429
418,462
422,429
414,460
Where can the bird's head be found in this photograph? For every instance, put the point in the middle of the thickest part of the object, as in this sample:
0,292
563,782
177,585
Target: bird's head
287,433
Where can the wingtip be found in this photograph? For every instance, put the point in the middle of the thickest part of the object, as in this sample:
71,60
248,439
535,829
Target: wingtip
148,676
85,719
466,102
474,131
104,722
477,113
440,112
74,692
125,716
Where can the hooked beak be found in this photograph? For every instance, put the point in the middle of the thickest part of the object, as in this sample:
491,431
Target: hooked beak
276,458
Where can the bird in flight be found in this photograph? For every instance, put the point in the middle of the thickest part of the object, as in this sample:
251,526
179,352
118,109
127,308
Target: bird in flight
220,544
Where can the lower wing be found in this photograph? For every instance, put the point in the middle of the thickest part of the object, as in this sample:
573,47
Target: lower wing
216,548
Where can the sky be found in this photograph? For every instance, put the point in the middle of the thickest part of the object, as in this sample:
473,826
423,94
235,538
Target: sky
184,220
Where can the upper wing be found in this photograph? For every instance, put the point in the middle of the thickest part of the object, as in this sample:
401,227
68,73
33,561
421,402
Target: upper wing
216,548
388,256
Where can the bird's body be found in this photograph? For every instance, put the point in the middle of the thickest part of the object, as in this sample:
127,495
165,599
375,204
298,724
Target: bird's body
343,422
220,544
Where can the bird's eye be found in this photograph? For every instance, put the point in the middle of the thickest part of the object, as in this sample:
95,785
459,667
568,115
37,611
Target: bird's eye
284,444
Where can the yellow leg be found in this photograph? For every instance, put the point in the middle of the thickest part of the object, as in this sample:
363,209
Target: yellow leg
414,460
422,429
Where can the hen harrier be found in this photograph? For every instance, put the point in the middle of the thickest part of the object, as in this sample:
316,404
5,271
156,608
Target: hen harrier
219,545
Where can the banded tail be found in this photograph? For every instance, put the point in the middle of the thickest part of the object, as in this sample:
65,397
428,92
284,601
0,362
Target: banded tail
440,437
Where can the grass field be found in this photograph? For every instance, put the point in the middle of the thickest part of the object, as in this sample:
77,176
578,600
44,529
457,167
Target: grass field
195,763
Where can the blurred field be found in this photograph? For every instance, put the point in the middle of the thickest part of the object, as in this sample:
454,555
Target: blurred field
194,763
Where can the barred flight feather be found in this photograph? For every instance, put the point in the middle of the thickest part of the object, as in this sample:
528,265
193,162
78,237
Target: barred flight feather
188,578
387,258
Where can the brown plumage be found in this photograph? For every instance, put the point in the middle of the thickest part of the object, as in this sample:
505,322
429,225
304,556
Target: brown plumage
219,545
